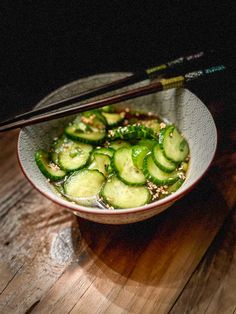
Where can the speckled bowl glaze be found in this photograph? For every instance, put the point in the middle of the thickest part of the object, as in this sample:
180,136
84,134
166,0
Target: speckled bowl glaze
179,106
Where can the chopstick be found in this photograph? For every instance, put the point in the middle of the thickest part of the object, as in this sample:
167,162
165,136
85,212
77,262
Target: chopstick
163,84
170,68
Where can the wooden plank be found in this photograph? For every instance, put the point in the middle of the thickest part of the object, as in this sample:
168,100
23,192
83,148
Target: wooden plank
140,267
38,250
212,286
32,233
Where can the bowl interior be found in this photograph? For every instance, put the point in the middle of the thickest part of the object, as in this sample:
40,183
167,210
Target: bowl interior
179,106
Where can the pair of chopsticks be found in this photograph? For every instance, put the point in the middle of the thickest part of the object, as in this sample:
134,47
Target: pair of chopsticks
174,78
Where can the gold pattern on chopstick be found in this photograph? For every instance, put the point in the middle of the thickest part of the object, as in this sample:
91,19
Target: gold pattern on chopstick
172,82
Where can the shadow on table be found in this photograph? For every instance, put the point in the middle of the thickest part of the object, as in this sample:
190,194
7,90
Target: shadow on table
161,251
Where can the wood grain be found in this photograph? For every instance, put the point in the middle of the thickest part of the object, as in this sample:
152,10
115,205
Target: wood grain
53,262
28,225
134,268
212,286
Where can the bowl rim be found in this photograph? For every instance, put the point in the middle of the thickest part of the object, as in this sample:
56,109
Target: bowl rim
93,210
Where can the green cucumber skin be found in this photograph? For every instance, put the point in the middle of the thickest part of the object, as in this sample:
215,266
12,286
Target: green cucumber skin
55,146
84,140
101,117
161,138
54,158
131,132
163,168
39,155
162,134
103,150
72,145
98,115
120,178
149,143
154,179
108,109
174,187
114,124
138,154
116,171
73,169
106,163
116,206
118,144
153,124
74,137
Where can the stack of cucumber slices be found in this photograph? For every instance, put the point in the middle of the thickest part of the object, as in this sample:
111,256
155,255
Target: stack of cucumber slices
121,159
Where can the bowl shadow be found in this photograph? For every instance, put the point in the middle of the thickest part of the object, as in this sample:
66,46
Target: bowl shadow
145,252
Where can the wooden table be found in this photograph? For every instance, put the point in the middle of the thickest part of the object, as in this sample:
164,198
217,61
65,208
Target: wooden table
182,261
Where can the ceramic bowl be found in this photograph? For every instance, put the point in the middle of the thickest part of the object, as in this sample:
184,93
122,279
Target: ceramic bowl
179,106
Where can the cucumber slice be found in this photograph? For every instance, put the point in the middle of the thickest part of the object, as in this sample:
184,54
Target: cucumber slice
94,118
174,144
100,162
47,167
161,161
174,187
119,144
90,201
131,132
107,108
95,137
57,146
156,175
83,127
103,150
125,169
148,143
114,119
138,154
74,156
84,183
110,170
152,124
120,195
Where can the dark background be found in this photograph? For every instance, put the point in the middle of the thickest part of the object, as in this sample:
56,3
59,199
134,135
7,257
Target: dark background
46,44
